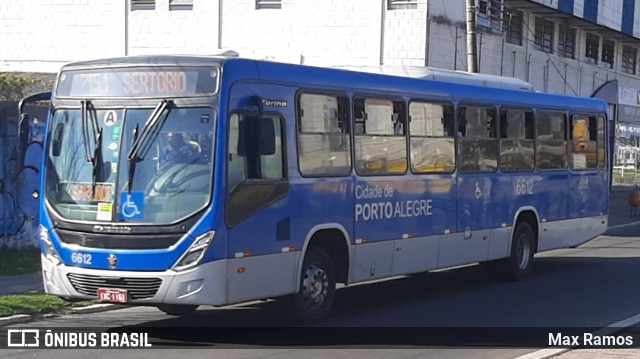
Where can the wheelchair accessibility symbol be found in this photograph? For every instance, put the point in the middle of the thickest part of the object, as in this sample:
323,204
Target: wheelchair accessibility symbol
131,205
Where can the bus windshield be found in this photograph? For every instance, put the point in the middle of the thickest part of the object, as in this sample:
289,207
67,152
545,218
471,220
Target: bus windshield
172,181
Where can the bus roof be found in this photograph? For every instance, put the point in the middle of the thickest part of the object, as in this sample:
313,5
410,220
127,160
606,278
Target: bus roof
309,77
460,77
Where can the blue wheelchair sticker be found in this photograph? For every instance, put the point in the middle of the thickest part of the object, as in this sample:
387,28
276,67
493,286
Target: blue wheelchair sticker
131,205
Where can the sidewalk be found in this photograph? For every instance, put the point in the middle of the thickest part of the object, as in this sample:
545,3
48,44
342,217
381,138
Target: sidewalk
619,210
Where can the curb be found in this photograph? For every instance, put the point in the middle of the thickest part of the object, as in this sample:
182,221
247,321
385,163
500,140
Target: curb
14,319
96,308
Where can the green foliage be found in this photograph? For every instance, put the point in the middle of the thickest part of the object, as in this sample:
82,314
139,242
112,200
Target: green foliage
30,304
19,261
13,87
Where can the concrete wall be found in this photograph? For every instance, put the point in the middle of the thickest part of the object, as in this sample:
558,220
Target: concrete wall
41,35
315,32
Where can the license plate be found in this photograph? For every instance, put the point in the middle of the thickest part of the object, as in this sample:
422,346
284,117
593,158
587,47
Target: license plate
112,295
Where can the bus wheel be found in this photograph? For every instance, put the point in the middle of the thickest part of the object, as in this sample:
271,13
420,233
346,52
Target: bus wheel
177,309
520,262
317,286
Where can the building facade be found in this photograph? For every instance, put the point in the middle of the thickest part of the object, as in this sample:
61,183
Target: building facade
572,47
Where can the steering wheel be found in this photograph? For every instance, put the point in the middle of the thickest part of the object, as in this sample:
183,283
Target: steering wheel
174,179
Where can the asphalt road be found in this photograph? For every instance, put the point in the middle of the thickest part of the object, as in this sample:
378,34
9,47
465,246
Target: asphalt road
592,286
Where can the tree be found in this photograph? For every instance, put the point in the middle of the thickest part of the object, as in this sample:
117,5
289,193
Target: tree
13,87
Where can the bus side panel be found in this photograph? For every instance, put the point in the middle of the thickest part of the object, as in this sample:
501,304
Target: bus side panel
476,214
552,192
559,234
260,276
414,255
411,211
583,200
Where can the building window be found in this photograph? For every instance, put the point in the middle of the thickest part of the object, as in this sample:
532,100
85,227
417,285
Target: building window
268,4
629,56
513,26
490,13
143,5
566,41
544,35
180,4
591,48
402,4
608,50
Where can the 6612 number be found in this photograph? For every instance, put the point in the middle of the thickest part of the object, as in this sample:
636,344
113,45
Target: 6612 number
81,258
523,186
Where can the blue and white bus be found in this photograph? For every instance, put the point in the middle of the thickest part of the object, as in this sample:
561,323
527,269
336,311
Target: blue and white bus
179,181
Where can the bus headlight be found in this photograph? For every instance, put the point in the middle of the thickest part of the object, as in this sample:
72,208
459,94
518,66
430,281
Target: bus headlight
193,256
49,250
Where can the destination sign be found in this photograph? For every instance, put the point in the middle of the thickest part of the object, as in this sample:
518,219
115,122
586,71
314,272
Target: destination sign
139,82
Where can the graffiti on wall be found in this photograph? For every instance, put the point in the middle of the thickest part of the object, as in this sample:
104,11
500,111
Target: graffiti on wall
21,142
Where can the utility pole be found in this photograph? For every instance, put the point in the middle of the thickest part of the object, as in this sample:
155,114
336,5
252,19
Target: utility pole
472,49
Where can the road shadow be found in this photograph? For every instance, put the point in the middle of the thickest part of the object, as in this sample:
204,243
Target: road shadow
565,292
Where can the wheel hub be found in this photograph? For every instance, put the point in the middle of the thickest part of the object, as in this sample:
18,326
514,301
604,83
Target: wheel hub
315,286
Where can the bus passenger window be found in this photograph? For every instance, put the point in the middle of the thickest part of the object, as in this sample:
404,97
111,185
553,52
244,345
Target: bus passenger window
255,150
583,145
477,145
551,144
324,144
516,140
432,142
381,148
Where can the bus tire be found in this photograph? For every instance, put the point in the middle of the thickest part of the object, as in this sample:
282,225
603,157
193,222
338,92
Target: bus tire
520,261
519,265
317,286
179,310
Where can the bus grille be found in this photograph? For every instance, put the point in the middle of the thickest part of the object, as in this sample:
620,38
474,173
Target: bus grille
137,288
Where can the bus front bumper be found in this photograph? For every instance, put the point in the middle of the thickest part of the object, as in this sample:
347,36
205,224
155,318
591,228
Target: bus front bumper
202,285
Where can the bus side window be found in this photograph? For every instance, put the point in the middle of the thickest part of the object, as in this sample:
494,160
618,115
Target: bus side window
516,140
432,141
551,148
583,144
324,144
477,145
381,148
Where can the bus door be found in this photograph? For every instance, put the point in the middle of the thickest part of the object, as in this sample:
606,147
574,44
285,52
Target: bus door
257,207
588,180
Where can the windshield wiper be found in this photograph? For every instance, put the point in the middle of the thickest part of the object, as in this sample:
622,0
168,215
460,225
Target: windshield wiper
93,135
142,142
98,164
89,135
133,161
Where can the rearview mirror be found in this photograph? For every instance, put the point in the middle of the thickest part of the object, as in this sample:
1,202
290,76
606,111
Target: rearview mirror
256,135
